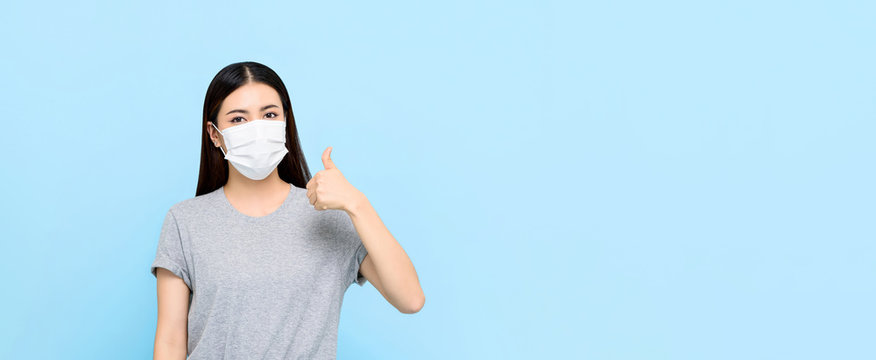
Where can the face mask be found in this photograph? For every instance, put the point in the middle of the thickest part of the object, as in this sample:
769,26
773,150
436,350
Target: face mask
256,147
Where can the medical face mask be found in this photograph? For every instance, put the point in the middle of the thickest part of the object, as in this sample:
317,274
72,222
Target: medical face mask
255,148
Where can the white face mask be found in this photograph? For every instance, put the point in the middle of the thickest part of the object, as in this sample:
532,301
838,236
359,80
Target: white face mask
256,147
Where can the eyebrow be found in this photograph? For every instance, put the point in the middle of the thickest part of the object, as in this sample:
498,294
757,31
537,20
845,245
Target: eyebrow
247,112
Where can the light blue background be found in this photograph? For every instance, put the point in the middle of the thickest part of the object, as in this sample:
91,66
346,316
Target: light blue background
634,180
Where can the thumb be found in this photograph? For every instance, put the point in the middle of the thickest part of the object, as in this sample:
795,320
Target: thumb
326,158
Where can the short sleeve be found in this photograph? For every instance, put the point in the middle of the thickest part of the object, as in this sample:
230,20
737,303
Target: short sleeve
358,256
170,253
357,253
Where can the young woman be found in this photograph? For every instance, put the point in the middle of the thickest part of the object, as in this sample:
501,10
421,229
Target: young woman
256,265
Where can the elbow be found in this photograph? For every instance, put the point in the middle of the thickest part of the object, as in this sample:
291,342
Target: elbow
170,348
414,306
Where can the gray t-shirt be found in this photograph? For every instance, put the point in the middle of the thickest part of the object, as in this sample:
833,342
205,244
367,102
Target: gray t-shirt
267,287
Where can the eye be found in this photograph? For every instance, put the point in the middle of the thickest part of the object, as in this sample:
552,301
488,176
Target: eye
232,120
270,117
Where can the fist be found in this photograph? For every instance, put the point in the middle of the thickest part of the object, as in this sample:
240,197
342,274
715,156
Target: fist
329,189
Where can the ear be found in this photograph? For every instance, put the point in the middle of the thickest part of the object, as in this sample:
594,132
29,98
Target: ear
213,134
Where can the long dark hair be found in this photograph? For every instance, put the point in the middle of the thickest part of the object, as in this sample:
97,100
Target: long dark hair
214,168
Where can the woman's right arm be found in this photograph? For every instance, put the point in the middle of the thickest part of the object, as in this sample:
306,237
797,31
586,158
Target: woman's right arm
171,333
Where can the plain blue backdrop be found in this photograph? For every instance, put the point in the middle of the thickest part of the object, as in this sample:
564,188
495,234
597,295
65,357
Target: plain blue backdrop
624,180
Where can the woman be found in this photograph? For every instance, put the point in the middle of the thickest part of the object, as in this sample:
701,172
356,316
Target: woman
256,265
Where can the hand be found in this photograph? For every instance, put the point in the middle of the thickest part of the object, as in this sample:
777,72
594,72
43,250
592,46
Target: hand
329,189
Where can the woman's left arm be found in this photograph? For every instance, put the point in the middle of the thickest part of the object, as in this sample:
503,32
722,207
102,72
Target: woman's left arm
386,265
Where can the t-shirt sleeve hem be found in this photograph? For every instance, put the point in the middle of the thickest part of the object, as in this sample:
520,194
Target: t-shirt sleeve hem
172,267
361,251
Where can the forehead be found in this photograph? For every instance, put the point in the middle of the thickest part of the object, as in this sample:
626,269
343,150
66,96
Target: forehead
252,95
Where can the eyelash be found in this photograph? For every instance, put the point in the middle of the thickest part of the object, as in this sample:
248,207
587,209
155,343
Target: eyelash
275,115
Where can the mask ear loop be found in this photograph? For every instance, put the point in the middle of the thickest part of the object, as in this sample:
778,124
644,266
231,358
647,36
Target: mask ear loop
220,133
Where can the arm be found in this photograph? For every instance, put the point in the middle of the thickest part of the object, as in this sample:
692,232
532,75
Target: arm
171,334
386,265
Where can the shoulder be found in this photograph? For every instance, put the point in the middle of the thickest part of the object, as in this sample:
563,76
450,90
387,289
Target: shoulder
303,209
196,205
304,213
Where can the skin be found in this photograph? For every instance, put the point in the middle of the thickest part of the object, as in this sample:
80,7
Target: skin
386,266
171,334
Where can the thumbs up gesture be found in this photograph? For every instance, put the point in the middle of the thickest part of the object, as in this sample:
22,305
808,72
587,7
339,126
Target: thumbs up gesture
329,189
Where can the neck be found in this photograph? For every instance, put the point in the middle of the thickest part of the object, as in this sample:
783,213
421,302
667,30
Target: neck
245,187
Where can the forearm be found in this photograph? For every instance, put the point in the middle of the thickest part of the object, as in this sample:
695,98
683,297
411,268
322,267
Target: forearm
393,266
